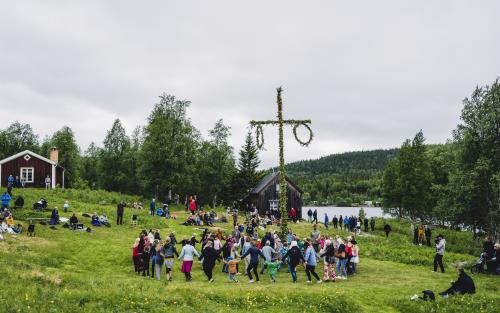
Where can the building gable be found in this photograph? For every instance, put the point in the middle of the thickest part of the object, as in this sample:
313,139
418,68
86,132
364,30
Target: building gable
23,154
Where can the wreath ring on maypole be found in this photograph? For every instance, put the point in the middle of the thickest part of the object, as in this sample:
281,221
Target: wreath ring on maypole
259,136
303,143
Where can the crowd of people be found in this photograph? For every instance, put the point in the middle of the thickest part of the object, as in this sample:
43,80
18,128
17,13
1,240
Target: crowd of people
243,252
347,223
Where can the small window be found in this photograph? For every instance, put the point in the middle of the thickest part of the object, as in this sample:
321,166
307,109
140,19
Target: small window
28,174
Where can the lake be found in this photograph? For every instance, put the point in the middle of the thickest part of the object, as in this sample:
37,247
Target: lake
331,211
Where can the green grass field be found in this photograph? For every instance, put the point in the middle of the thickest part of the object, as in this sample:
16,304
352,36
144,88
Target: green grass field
65,271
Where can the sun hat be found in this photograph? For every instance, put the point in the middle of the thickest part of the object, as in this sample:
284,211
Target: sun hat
293,244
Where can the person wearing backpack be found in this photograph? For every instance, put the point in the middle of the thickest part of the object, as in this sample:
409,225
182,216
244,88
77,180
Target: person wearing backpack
342,259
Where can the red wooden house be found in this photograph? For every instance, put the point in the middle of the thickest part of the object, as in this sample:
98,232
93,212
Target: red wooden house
33,168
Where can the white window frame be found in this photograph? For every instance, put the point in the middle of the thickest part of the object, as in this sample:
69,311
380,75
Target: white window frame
32,174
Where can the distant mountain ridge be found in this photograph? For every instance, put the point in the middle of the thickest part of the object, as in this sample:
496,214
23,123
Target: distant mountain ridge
355,164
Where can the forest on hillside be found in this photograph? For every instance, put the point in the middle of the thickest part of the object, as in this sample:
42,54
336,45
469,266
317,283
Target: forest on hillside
342,179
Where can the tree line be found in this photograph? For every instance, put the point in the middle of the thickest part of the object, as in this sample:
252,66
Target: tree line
168,157
456,183
342,179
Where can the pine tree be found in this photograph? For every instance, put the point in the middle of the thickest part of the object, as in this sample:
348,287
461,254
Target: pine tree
115,174
408,180
247,176
216,167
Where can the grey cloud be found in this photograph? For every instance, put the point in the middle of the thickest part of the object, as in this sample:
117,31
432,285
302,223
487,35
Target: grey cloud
369,74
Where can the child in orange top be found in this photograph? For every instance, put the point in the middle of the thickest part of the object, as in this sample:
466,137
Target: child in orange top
232,269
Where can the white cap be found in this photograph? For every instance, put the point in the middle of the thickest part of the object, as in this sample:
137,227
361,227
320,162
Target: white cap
293,244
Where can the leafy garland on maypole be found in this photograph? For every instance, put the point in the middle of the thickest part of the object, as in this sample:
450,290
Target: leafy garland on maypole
259,134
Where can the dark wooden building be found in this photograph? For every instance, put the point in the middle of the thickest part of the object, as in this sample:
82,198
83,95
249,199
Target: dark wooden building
33,168
265,195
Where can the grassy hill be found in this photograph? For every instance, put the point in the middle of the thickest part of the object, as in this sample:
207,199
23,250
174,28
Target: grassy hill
65,271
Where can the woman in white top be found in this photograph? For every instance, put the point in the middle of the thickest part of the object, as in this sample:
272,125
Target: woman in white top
355,255
187,255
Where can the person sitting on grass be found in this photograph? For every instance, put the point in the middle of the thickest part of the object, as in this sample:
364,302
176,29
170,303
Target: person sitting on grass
54,217
464,284
73,219
190,221
95,220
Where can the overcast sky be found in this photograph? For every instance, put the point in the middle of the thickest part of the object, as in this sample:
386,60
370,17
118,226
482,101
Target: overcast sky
367,73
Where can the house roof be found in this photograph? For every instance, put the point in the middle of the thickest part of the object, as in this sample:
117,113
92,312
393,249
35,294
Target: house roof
31,153
267,180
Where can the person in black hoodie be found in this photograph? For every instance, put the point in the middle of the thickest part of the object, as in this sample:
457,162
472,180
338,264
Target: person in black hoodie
267,237
315,216
226,253
415,235
335,221
463,285
387,230
209,255
119,213
193,240
428,235
294,256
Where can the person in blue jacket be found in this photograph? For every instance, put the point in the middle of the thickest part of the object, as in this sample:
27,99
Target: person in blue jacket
152,207
5,200
311,261
254,253
10,181
327,220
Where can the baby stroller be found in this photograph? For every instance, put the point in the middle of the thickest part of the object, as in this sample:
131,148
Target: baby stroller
40,205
